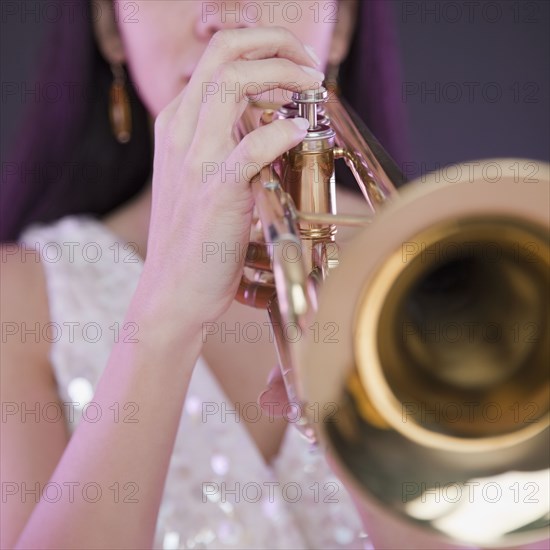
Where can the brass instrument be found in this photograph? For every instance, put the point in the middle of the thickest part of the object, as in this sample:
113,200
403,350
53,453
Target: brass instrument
438,380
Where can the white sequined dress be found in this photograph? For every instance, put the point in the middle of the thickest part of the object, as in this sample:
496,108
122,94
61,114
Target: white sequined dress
219,491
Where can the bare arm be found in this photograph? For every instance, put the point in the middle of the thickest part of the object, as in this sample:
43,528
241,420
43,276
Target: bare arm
133,455
153,373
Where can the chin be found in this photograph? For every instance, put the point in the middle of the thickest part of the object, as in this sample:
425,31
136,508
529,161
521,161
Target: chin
158,98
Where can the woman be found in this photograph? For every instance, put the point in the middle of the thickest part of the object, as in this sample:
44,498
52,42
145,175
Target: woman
108,463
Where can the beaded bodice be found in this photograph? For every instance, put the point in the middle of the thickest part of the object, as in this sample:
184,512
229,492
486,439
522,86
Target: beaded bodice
219,492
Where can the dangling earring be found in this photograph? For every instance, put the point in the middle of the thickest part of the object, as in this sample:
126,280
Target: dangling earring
120,114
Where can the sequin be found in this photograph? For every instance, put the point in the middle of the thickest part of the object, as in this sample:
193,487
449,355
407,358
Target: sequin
271,508
193,405
171,541
227,507
80,391
343,535
229,532
205,536
211,495
220,464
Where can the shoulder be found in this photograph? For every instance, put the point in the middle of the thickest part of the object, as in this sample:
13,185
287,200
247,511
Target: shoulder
32,441
23,303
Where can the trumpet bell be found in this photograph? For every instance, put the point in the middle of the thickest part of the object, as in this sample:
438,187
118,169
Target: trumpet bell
435,389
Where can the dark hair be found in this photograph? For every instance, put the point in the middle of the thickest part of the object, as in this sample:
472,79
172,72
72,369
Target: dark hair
370,77
65,160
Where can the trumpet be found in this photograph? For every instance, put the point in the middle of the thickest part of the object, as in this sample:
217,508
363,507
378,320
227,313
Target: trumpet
439,377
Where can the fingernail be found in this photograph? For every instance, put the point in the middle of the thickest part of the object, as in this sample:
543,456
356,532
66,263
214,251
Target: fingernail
302,123
318,75
262,397
312,54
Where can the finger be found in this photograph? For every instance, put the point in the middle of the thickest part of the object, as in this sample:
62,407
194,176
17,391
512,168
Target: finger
244,44
251,44
239,82
180,118
256,150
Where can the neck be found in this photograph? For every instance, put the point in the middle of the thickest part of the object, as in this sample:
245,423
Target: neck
131,221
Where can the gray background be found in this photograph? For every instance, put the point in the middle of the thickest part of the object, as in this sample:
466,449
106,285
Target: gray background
487,66
485,62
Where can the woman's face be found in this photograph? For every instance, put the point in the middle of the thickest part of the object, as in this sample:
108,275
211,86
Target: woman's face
164,39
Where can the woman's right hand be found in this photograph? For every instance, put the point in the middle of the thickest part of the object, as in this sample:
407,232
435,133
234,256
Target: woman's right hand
202,201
